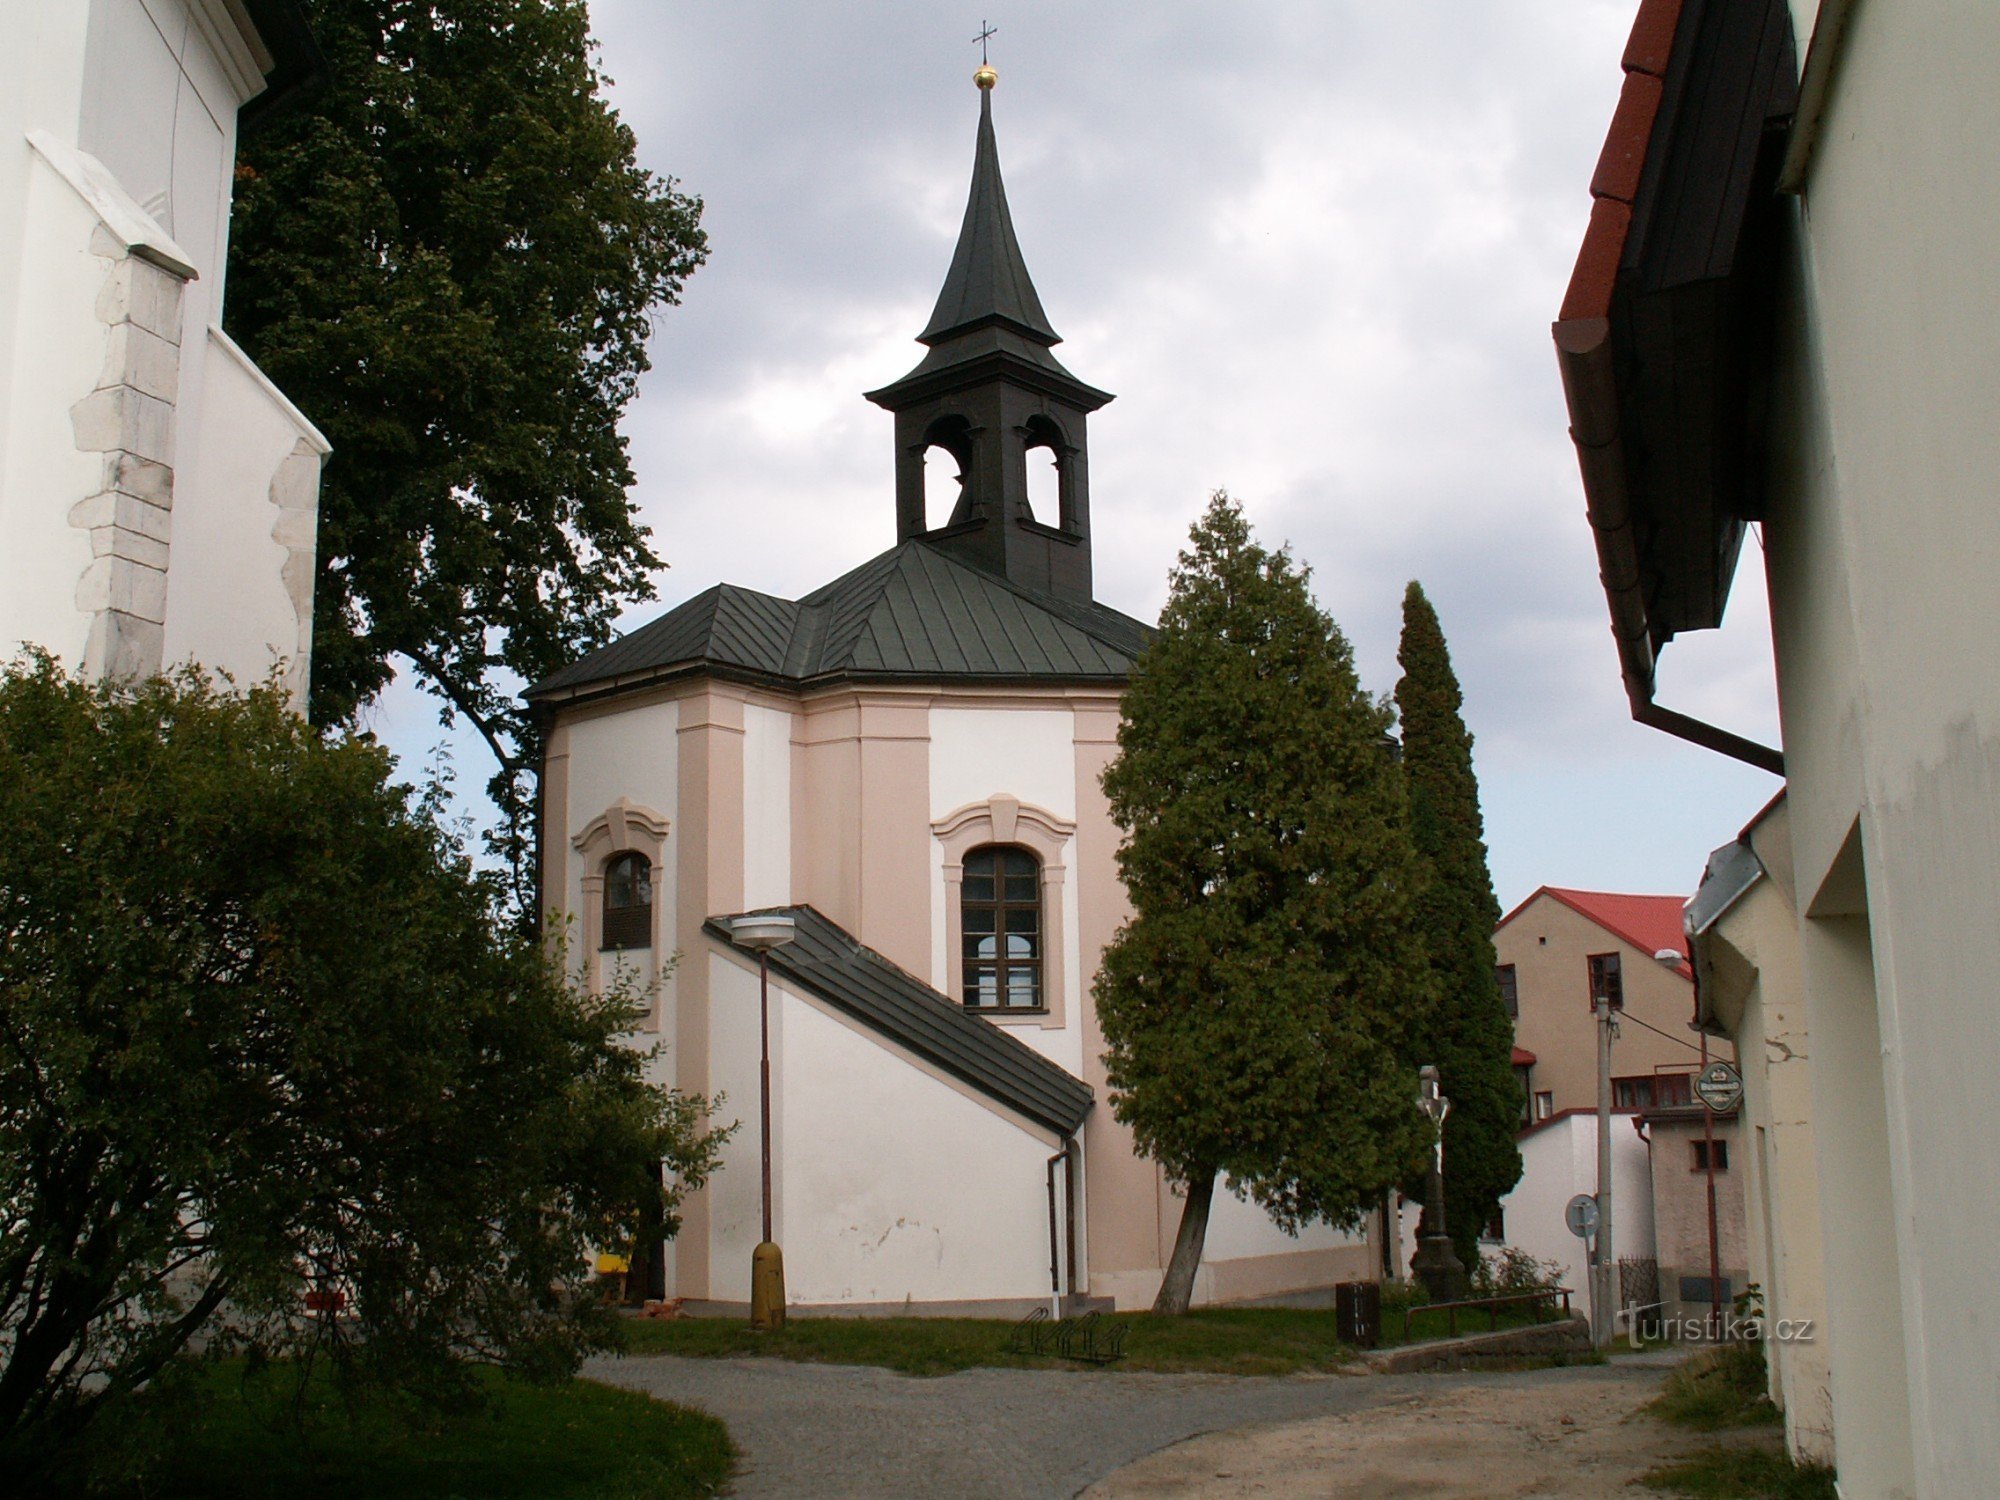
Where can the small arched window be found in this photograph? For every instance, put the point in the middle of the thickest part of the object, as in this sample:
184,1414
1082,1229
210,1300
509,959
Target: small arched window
628,902
1001,910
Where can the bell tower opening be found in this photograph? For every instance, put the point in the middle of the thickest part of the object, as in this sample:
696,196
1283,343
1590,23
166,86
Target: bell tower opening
947,462
1046,483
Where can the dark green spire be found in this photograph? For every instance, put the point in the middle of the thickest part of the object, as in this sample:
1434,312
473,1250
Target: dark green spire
988,281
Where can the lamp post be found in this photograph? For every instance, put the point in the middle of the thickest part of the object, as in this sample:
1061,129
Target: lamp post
767,1262
1436,1264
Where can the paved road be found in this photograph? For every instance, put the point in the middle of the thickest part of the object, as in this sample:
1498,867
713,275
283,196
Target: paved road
839,1431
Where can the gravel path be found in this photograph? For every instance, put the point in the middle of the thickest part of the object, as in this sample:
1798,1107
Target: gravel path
839,1430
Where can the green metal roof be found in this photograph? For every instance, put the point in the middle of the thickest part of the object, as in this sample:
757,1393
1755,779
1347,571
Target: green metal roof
827,960
912,614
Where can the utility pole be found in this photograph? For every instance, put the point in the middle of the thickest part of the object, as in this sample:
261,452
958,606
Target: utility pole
1603,1316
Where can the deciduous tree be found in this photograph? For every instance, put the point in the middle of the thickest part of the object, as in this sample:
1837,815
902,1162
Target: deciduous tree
449,258
271,1064
1472,1038
1255,1006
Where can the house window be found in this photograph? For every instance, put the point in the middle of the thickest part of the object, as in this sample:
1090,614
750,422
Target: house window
1001,911
1606,981
1545,1104
1510,991
1523,1080
628,902
1701,1156
1651,1091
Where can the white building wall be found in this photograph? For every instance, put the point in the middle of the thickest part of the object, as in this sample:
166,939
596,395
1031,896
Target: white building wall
147,518
634,754
1558,1161
1028,754
246,517
1883,542
891,1184
1239,1229
767,806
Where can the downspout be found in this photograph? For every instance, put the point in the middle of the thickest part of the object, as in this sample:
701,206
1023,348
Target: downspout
1055,1239
1072,1154
1583,348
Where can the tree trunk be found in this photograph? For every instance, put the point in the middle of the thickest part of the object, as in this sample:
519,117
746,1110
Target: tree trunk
1178,1288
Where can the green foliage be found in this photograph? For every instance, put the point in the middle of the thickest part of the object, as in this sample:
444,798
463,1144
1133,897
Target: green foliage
1472,1038
1509,1271
1726,1386
261,1035
255,1434
449,258
1255,1007
1743,1474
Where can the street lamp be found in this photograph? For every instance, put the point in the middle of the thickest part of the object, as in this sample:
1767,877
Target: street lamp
1436,1264
767,1262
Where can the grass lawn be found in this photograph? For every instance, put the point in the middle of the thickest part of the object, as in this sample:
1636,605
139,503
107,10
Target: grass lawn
1222,1341
1720,1390
1742,1474
563,1442
1227,1341
1717,1389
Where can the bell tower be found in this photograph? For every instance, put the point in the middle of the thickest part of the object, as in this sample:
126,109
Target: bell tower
989,398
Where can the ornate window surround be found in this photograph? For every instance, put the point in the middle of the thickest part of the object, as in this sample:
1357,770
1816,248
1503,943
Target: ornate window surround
1004,819
621,828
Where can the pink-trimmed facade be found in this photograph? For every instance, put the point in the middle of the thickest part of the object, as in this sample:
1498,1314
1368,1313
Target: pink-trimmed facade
895,1185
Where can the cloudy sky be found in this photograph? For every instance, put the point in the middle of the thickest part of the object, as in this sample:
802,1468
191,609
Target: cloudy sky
1314,246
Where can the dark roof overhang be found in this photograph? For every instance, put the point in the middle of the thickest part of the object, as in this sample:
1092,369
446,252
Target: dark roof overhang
298,68
1664,334
831,963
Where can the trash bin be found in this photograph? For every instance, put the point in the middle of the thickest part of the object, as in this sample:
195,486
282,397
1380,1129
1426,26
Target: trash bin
1357,1313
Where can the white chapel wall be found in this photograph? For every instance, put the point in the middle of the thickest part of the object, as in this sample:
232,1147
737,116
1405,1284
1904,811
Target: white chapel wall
1029,754
633,753
767,806
899,1185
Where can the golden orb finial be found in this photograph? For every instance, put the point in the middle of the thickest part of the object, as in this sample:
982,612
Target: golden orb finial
985,77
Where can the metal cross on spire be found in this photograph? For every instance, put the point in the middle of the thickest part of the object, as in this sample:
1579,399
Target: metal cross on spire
985,30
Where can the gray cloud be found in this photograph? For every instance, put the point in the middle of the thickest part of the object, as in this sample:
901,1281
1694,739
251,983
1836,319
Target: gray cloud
1314,247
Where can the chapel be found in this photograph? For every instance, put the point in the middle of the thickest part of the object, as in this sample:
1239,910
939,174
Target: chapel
905,763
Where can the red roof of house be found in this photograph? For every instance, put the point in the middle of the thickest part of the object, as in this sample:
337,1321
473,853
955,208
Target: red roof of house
1649,923
1523,1058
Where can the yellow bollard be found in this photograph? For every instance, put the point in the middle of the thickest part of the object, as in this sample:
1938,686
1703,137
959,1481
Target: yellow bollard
767,1288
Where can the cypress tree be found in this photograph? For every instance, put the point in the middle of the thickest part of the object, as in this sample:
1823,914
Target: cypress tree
1472,1038
1254,1007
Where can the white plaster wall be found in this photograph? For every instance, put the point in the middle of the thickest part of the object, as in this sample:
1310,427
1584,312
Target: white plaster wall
1027,753
1237,1227
735,1192
1558,1161
897,1184
1884,543
41,87
54,360
229,602
635,754
767,806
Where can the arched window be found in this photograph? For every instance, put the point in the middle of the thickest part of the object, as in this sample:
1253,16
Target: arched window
1001,914
628,901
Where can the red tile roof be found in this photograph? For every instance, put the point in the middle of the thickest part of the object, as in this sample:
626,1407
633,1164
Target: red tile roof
1616,181
1648,923
1523,1058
